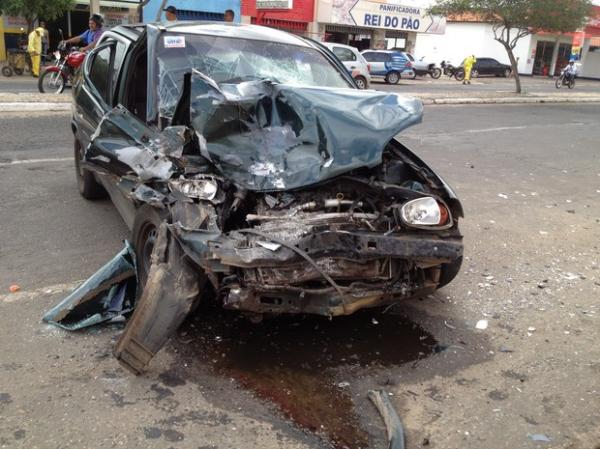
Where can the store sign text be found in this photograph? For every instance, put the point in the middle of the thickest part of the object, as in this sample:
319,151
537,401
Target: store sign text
404,23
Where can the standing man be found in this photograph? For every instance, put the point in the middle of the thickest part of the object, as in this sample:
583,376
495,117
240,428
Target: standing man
229,16
34,48
170,13
91,36
468,65
45,39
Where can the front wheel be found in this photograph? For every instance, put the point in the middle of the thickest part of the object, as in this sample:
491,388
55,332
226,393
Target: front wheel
143,237
507,73
449,272
558,82
459,75
7,71
435,73
361,82
474,74
392,78
571,83
51,82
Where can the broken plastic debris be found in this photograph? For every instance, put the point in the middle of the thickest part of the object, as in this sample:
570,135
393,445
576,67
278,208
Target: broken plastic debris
108,293
502,195
14,288
482,324
395,431
539,437
343,384
268,245
531,329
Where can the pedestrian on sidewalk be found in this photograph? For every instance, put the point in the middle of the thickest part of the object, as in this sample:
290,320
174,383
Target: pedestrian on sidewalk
34,48
468,65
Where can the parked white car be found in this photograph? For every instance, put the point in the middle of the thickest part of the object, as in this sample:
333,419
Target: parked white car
353,61
423,67
389,65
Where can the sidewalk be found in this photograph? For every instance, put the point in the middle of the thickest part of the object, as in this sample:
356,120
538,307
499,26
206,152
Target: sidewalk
29,101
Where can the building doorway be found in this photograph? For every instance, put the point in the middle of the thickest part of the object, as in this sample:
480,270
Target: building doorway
564,54
543,58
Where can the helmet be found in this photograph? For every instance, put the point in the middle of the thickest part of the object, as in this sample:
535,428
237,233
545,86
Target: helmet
98,19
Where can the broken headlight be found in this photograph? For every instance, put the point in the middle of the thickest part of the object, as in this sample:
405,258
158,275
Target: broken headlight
426,212
203,189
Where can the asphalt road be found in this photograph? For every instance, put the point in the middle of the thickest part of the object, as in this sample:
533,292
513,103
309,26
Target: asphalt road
529,179
424,84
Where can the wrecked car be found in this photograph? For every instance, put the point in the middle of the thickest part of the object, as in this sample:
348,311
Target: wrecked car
253,172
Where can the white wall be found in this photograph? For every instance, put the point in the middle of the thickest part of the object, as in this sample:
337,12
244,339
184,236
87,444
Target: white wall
462,39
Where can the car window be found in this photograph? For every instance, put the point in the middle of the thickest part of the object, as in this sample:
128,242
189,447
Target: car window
100,75
344,54
370,56
120,50
387,57
493,62
233,60
410,56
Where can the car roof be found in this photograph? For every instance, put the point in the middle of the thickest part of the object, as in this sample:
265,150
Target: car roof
235,30
331,44
383,51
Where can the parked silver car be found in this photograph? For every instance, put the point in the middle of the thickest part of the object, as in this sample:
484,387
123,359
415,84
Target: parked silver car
353,61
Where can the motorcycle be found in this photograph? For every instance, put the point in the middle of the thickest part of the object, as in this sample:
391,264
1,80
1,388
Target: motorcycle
451,71
55,78
564,80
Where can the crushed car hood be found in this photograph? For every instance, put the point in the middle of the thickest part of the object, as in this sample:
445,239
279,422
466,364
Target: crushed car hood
266,136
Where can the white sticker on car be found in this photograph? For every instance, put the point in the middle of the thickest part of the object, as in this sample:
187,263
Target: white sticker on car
174,41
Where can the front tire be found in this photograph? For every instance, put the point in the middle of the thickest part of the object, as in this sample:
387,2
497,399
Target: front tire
88,187
361,82
474,74
507,73
449,272
558,82
7,71
459,75
392,78
571,83
435,73
51,82
143,238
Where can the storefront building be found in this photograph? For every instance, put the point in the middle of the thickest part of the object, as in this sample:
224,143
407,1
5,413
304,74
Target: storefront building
293,16
212,10
383,24
537,54
13,30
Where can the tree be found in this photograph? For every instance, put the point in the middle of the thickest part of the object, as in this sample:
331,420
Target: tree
515,19
33,10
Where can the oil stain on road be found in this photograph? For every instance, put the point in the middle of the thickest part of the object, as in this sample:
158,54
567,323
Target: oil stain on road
297,362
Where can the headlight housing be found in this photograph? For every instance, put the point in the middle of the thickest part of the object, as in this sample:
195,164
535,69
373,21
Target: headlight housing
202,189
427,213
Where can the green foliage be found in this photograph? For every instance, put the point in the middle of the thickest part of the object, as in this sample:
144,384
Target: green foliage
36,9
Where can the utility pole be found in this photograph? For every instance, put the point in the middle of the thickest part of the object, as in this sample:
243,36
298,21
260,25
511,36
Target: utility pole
95,6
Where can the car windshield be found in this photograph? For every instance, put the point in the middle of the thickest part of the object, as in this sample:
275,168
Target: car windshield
234,60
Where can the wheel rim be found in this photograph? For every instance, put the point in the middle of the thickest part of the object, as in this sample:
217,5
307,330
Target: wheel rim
360,83
53,82
393,78
474,74
506,73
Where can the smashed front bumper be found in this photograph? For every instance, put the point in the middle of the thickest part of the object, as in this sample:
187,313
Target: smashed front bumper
328,273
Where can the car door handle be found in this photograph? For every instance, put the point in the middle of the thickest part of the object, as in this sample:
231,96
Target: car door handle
352,66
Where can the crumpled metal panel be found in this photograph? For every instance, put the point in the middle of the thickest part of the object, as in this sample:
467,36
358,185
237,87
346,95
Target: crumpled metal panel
287,137
107,294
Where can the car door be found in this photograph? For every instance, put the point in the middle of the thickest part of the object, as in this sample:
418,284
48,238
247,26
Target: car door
376,60
495,68
96,86
346,56
483,66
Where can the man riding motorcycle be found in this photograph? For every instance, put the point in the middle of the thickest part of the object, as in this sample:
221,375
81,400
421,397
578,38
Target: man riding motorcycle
570,71
91,36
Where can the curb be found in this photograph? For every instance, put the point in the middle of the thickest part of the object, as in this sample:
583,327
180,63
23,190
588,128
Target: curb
61,107
33,107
